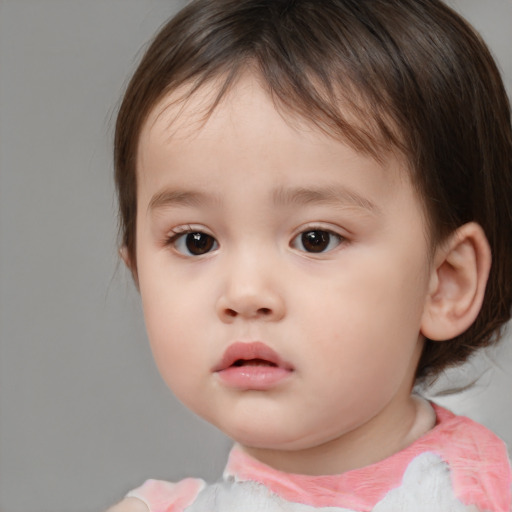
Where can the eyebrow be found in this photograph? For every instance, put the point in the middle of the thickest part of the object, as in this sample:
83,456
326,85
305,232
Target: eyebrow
167,198
335,196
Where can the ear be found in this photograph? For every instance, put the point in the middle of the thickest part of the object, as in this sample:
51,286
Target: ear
125,256
457,284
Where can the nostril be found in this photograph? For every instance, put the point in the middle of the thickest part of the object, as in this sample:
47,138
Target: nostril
230,312
264,311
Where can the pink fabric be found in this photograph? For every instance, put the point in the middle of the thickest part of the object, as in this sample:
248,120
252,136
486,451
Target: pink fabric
162,496
478,460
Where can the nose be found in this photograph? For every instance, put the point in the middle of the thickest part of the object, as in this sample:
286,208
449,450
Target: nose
250,291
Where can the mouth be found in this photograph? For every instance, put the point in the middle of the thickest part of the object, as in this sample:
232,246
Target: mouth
241,354
253,362
252,366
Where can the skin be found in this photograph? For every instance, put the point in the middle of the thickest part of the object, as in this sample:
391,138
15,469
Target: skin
348,319
129,505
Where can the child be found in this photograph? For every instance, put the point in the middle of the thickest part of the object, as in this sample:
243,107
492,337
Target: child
311,193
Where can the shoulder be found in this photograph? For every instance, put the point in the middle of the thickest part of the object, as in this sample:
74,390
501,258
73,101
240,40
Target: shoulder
478,460
157,495
465,442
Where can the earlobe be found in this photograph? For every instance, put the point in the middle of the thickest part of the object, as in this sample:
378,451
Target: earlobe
457,283
125,256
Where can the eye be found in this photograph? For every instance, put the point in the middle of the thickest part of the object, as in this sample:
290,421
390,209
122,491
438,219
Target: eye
193,243
316,241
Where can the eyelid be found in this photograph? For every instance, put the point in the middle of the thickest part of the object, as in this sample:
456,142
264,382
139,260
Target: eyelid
188,228
322,226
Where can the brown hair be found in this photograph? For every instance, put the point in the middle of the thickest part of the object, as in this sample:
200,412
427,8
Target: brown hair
412,73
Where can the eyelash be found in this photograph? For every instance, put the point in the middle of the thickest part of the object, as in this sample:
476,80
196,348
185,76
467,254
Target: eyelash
321,241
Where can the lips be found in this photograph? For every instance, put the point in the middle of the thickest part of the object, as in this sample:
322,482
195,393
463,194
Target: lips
252,366
240,353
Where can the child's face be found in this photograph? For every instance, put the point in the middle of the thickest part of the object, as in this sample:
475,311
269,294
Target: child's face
267,240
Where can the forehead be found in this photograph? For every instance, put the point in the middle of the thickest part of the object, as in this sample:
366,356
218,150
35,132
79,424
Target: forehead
246,129
183,114
198,130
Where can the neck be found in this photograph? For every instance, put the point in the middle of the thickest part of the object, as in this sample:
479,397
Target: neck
383,435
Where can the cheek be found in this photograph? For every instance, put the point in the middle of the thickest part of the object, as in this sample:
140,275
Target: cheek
182,332
365,323
366,303
170,321
178,360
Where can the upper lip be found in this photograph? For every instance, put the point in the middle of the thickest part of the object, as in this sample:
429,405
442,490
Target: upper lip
243,351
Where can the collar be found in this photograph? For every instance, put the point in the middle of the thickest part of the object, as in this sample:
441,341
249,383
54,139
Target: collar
455,439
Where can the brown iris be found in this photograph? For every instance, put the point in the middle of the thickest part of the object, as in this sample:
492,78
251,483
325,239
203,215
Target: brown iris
199,243
315,240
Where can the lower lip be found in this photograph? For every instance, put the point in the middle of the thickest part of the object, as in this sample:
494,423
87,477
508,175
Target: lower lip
257,378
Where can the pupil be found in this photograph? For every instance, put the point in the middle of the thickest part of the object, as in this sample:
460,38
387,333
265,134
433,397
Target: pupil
315,241
199,243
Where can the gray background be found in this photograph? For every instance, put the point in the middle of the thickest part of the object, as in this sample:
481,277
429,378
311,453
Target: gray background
84,415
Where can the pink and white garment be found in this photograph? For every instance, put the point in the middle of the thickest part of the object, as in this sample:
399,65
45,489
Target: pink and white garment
457,466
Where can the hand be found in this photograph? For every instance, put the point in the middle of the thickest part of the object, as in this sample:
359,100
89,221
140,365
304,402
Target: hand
129,505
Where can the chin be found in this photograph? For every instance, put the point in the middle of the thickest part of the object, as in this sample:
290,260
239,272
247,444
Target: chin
256,435
269,438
